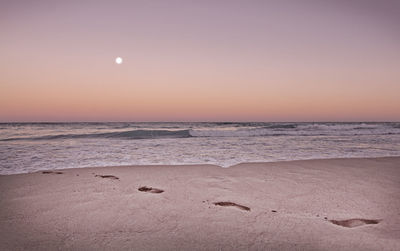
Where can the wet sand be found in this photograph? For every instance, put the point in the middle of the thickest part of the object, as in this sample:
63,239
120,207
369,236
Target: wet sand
346,204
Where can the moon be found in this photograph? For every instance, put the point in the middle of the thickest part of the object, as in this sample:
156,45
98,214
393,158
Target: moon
118,60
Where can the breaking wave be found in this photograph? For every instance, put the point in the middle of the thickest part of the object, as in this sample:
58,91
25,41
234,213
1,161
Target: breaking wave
223,129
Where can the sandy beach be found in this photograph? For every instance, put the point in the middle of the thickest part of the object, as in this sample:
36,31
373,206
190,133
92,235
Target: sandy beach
333,204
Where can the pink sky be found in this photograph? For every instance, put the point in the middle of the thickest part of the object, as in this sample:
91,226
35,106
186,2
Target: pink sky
200,60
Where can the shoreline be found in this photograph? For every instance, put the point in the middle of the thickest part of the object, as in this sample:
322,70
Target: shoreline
207,164
318,204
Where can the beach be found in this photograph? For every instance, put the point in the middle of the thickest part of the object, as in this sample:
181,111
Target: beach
200,125
321,204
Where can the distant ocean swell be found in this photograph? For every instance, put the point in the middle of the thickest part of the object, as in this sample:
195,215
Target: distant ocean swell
133,134
270,130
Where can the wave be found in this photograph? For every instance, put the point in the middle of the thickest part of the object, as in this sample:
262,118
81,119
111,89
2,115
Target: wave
265,130
281,126
133,134
291,129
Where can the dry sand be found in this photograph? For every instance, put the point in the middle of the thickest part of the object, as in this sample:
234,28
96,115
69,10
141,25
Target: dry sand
260,206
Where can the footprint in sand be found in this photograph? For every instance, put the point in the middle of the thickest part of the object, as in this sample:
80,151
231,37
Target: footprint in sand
231,204
51,172
150,190
354,222
107,177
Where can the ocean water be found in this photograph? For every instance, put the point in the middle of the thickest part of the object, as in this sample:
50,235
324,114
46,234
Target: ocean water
29,147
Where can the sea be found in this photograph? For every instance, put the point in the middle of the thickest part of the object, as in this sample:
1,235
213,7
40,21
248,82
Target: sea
30,147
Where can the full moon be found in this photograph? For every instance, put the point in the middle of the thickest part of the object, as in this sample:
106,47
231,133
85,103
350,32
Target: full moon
118,60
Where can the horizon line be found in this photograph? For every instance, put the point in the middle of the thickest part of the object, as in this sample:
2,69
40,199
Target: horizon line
236,122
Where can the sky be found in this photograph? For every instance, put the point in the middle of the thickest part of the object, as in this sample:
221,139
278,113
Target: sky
299,60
